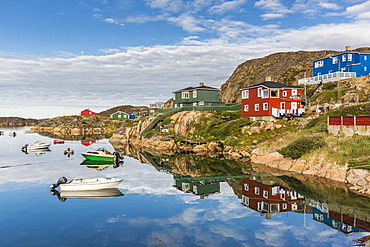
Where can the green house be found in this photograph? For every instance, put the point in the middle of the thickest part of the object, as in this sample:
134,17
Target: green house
197,96
119,115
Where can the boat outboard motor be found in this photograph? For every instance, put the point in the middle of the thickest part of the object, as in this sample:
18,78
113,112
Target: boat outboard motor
61,180
117,156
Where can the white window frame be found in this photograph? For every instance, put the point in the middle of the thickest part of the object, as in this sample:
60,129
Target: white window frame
265,94
245,94
285,93
335,60
259,92
245,200
246,187
294,92
277,93
365,68
185,95
195,94
349,57
294,106
365,58
246,108
285,205
256,190
195,103
282,106
265,106
344,58
266,194
256,107
201,103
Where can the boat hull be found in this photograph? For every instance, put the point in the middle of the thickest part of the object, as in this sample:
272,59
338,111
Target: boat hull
98,157
90,184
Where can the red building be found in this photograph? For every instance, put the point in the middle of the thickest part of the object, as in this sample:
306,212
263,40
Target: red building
87,112
271,99
268,199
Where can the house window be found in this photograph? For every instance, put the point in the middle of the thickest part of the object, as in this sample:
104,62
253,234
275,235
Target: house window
201,103
119,116
285,205
294,106
245,108
334,60
294,92
365,58
294,206
274,93
265,194
256,107
343,58
185,95
274,208
245,200
256,190
245,94
265,94
195,104
195,93
349,57
319,64
285,93
259,92
282,105
246,187
265,106
365,68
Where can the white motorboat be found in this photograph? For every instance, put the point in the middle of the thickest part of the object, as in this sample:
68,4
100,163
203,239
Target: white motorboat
36,145
86,184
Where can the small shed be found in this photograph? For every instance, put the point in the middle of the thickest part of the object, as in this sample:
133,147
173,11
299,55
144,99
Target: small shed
119,115
132,116
87,112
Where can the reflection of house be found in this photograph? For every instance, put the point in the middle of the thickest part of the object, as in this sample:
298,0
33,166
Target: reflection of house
269,199
87,112
340,222
271,99
119,115
197,96
87,142
197,186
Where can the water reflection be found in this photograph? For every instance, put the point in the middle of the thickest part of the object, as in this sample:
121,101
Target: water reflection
37,152
86,194
101,165
268,195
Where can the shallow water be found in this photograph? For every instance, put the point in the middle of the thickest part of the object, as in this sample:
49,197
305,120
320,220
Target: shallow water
156,206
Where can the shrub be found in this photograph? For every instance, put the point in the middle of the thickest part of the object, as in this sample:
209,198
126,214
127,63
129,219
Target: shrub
301,146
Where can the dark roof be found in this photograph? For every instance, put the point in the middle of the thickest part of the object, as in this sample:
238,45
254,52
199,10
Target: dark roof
272,84
192,88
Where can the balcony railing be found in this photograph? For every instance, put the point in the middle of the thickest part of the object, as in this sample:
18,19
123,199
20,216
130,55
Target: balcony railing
336,76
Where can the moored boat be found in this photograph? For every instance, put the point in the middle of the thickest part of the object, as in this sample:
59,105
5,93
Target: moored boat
102,154
86,184
36,145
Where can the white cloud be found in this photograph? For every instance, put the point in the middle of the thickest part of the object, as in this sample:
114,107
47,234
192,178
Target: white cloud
329,6
359,11
112,21
274,8
227,6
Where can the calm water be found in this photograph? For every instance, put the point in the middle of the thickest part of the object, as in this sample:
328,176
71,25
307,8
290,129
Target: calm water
157,205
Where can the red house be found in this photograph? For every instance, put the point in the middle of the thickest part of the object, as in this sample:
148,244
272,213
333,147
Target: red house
268,199
87,112
271,99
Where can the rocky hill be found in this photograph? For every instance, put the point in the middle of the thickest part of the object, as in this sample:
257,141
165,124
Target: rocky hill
17,121
284,67
136,110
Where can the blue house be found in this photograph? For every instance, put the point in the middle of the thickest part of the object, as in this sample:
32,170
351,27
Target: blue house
347,64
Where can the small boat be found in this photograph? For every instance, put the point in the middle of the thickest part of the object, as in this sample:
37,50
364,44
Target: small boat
102,154
58,142
36,145
86,184
13,134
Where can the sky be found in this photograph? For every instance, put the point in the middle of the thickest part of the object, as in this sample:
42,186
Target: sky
60,57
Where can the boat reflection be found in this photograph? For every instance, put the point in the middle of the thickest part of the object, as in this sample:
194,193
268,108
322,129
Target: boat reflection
101,165
86,194
200,186
37,152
